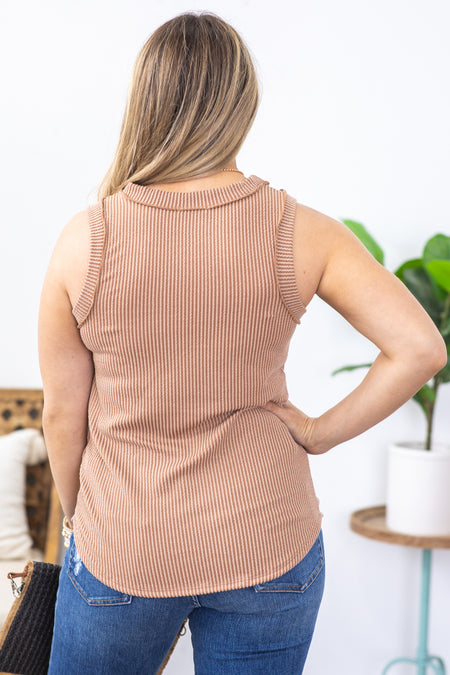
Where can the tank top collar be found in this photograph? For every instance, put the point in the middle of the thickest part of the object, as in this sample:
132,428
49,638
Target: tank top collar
196,199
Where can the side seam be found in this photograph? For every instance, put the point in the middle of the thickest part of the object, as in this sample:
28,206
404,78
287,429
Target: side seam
84,303
284,259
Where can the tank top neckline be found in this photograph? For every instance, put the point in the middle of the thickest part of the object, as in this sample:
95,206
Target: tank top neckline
195,199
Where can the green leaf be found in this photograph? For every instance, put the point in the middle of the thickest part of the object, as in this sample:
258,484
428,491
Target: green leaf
444,374
419,283
365,238
427,393
445,329
436,248
347,369
415,263
424,397
440,271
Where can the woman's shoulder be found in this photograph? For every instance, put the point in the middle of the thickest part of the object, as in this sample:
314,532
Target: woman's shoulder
320,233
77,224
71,253
307,217
319,238
74,238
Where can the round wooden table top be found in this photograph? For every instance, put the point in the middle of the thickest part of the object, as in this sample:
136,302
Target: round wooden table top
371,523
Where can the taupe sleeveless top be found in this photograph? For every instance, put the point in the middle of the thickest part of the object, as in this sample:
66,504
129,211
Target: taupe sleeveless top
188,485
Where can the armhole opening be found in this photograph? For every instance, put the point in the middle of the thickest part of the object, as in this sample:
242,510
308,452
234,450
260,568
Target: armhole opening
83,306
284,259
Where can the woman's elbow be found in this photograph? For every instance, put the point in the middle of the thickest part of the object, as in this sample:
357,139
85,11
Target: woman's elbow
432,354
55,416
442,355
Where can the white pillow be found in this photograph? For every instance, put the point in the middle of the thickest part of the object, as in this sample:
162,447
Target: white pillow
22,447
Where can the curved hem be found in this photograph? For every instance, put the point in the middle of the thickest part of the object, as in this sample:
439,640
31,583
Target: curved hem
203,590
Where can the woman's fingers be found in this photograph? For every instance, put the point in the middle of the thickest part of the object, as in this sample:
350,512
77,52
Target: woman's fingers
295,420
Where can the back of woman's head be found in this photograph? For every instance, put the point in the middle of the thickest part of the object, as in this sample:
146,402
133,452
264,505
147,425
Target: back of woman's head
192,99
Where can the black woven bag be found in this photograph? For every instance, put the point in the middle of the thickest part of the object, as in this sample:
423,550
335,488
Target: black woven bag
26,635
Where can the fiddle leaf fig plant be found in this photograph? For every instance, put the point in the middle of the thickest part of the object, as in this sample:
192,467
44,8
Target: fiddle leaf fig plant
428,279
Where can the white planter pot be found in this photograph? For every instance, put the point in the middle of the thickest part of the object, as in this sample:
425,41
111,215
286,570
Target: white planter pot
418,489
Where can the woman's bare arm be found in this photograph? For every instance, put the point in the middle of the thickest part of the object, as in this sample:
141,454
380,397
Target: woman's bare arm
66,365
331,262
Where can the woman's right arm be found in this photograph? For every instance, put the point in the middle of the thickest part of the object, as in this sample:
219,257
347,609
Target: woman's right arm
331,262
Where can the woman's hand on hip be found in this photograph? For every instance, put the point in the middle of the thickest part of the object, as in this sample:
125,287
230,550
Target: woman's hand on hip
301,427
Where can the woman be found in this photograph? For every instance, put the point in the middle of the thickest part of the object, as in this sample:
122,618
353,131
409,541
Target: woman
165,321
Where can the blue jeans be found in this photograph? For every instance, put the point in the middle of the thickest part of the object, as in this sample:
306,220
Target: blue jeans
261,629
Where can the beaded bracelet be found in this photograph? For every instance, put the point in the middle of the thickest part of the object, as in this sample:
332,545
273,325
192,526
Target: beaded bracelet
66,532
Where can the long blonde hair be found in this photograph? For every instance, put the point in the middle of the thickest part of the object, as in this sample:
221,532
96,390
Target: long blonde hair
192,98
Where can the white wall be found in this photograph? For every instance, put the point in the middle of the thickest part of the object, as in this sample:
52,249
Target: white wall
353,122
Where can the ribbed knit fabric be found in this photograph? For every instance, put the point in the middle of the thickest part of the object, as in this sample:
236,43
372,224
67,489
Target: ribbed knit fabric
188,485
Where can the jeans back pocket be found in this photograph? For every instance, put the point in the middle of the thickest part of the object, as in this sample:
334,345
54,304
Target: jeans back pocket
93,591
300,577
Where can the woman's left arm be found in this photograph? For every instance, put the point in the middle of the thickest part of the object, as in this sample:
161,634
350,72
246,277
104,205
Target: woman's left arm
66,364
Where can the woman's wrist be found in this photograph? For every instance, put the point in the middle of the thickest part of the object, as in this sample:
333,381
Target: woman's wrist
316,441
67,530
